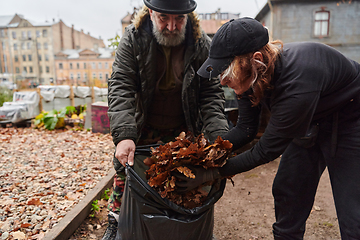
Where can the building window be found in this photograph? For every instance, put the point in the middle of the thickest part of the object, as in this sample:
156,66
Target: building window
25,69
24,58
78,65
71,66
2,33
3,45
224,16
94,75
16,58
39,57
78,76
100,76
30,69
37,33
38,45
13,35
30,57
84,65
47,69
106,76
45,45
17,70
85,76
100,65
46,57
106,65
29,34
15,46
40,69
321,25
29,45
23,34
60,66
23,46
93,65
71,76
44,33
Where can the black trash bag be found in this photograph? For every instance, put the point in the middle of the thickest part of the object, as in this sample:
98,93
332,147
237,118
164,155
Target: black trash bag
145,215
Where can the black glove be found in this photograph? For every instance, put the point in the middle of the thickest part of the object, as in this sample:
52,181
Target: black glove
202,175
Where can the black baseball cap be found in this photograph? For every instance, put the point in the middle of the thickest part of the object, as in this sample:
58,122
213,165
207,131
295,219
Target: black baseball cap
171,6
236,37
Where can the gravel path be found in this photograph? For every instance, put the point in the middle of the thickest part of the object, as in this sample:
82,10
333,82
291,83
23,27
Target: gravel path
43,174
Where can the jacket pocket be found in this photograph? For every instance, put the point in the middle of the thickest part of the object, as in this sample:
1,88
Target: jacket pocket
310,137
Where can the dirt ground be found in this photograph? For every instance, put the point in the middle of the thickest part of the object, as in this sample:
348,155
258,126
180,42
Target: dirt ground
246,211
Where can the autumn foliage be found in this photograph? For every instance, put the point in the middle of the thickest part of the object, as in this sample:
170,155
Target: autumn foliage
179,156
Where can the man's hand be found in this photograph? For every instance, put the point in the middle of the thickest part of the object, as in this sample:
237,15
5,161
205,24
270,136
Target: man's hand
125,152
202,175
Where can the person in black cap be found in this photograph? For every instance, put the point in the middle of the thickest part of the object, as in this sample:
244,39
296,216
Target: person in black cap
312,93
154,91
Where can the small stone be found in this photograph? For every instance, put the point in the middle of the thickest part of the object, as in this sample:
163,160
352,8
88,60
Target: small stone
317,208
90,227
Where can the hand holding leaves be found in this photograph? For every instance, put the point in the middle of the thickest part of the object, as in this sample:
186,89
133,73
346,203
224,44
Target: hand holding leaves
202,175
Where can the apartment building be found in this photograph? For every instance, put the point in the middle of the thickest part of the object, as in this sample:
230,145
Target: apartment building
84,67
28,48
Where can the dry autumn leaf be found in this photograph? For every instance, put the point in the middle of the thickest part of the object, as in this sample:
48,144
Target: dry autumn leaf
173,156
18,235
186,171
34,201
25,225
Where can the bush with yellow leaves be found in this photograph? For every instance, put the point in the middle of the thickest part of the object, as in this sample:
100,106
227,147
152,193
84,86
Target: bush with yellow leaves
54,119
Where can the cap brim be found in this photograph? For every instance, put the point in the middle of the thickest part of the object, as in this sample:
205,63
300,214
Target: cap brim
213,67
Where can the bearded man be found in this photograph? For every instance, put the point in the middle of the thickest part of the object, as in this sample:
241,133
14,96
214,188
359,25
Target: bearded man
154,91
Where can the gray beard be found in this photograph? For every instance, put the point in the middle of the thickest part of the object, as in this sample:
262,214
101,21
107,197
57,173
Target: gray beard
169,41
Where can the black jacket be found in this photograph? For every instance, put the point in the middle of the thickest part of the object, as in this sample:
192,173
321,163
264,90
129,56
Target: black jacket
133,81
311,81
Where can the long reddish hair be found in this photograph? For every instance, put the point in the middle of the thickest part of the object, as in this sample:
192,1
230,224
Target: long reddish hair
260,72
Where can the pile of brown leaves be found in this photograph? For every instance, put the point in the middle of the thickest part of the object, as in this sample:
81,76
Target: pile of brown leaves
176,156
44,174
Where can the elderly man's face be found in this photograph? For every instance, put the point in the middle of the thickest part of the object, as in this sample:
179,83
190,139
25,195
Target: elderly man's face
168,29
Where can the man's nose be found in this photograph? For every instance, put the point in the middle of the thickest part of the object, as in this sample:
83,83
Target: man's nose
171,25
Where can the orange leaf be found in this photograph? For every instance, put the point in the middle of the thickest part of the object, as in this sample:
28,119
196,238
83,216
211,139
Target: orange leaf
186,171
34,201
25,225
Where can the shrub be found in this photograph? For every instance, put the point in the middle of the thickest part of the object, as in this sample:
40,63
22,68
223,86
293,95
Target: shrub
6,95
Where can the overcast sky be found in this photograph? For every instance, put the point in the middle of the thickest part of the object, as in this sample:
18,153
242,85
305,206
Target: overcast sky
102,17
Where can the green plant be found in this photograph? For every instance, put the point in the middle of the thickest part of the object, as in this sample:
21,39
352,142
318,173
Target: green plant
327,224
6,95
105,195
95,207
114,42
56,118
51,120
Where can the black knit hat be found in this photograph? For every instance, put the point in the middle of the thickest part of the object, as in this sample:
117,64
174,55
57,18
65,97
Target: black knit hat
171,6
234,38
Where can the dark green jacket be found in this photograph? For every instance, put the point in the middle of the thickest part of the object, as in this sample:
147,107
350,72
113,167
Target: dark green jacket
133,81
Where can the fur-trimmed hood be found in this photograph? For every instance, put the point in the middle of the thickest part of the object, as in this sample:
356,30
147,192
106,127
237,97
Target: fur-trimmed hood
143,13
